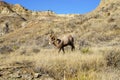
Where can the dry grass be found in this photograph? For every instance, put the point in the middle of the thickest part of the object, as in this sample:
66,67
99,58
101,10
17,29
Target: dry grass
70,66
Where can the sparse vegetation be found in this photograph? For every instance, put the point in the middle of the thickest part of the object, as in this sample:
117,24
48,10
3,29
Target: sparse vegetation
56,66
26,55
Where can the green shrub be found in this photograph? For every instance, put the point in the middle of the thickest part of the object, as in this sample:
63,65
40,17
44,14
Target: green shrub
85,50
15,47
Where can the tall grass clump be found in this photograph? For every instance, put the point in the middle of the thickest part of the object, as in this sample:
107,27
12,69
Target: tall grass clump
112,58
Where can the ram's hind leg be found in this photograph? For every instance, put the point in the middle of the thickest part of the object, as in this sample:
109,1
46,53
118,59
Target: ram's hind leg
63,50
72,47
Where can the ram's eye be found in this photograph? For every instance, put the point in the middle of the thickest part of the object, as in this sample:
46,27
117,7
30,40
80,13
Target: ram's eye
52,38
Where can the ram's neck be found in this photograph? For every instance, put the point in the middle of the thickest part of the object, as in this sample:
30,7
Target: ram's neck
58,45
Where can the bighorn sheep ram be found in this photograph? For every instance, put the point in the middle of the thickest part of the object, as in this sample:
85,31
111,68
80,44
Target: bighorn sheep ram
61,43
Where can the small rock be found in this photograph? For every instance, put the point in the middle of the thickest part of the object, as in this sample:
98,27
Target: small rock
37,75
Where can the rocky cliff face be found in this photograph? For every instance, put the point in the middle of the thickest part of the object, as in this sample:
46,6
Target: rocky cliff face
16,16
5,8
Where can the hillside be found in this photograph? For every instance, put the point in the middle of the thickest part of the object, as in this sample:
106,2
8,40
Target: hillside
103,23
24,34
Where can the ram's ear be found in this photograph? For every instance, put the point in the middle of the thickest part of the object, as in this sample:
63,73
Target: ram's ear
50,35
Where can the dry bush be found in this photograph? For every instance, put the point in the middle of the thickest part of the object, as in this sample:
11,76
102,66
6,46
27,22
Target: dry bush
5,49
113,58
110,20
